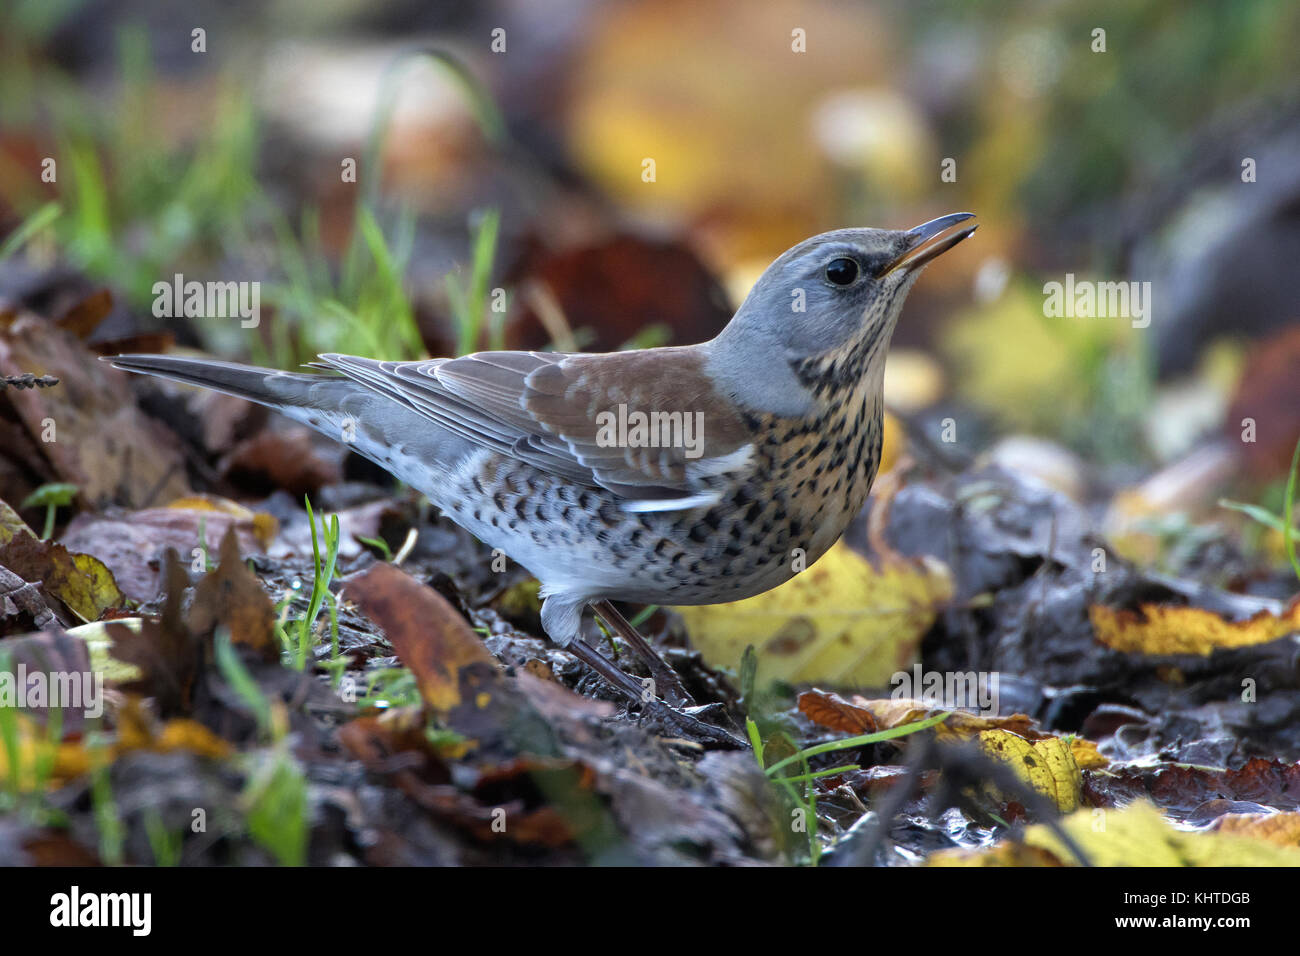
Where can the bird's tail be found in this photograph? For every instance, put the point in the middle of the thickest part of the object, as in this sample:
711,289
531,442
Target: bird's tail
287,391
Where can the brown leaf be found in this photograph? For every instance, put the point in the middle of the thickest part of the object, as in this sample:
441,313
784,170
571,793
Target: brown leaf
450,663
281,459
131,544
84,317
1273,783
517,793
80,581
616,289
168,655
231,596
104,444
832,711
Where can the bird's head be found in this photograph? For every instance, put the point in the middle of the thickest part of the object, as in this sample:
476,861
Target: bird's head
835,298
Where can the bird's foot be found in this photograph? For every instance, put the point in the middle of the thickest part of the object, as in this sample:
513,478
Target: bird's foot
683,723
666,682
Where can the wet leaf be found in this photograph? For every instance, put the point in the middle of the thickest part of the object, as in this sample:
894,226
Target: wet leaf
1282,829
1138,835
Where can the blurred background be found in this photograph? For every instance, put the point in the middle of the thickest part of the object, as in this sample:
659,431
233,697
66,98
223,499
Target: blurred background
586,175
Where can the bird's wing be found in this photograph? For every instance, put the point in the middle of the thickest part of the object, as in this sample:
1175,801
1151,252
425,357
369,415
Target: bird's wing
576,416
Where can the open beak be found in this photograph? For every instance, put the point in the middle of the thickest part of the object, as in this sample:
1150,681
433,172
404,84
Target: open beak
932,239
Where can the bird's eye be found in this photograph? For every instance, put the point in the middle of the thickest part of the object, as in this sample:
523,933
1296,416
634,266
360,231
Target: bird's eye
841,271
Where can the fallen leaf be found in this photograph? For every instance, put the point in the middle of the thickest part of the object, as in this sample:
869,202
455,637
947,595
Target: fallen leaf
131,544
164,653
11,524
231,596
836,713
502,794
1138,835
104,444
615,290
1182,788
1161,629
844,621
1282,829
137,730
890,712
1086,754
84,317
80,581
285,459
1046,765
429,635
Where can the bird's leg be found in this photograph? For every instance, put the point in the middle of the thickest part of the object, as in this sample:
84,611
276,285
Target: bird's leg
674,720
664,677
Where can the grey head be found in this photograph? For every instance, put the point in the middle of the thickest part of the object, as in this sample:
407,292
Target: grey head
820,299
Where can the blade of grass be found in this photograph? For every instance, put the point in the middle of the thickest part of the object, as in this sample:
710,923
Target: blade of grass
29,227
860,741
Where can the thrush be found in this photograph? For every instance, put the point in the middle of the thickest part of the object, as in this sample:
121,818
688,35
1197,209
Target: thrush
678,475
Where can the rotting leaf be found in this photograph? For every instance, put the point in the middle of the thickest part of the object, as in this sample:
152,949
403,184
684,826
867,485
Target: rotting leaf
232,596
844,620
1162,629
167,655
399,749
1180,787
429,635
80,581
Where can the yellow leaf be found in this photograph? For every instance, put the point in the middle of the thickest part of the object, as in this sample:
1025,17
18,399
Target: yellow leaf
265,527
11,524
1159,629
1282,829
1137,835
1086,754
62,761
1047,765
844,621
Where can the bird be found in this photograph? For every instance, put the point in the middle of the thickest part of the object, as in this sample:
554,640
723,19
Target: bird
678,475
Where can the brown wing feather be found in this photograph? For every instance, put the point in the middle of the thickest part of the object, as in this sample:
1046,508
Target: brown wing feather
545,408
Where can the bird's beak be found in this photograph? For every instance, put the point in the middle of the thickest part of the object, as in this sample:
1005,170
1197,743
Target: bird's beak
932,239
